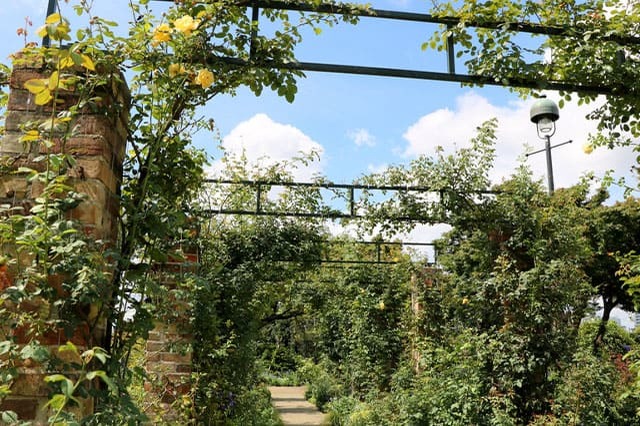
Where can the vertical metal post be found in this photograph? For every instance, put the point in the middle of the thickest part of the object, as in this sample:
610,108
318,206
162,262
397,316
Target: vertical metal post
51,9
352,203
451,60
255,15
258,199
547,148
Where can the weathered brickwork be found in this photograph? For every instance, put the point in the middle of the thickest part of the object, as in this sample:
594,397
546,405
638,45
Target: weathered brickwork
168,349
98,147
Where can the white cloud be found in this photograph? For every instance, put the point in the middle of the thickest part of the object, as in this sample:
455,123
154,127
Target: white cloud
266,142
362,137
453,129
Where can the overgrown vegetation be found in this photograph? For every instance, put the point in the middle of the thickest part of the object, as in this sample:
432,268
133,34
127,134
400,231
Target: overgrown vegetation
493,334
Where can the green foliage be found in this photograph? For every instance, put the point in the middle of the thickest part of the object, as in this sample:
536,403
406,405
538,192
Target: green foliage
322,386
612,230
57,278
457,180
591,46
494,337
595,389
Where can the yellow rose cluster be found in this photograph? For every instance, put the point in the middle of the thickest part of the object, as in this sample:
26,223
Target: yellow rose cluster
185,25
161,34
176,69
203,78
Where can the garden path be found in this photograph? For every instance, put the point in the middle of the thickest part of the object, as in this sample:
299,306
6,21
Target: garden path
293,408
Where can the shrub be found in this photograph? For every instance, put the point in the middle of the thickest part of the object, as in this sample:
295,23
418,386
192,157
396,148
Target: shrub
322,387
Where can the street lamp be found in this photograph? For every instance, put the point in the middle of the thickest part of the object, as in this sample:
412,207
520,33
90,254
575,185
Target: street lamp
545,113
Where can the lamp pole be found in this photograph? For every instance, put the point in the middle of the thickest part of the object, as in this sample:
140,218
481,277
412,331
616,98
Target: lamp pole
547,148
545,113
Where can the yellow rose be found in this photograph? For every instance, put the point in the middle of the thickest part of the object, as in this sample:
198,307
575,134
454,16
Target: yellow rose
465,301
186,24
587,148
176,69
204,78
160,34
381,305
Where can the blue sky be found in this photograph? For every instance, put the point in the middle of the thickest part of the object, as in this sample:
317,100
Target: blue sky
361,124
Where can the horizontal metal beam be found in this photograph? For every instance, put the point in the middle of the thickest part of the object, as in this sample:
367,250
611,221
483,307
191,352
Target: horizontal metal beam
379,243
538,84
317,215
330,185
325,212
346,9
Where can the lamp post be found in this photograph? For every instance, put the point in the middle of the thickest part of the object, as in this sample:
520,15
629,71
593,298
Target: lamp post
545,113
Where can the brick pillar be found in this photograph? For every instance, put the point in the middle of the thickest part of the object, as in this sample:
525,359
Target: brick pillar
168,349
98,145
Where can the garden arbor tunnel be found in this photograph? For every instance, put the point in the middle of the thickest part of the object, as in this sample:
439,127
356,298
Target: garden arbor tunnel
352,209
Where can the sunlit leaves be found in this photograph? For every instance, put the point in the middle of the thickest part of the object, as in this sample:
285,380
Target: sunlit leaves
596,48
56,27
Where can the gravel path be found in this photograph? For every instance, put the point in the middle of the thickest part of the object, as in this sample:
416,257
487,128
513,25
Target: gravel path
294,410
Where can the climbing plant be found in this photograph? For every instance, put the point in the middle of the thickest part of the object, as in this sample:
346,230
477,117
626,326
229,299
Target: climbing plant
592,43
169,76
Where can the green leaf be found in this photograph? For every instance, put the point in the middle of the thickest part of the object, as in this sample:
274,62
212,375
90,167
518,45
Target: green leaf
35,351
25,170
53,18
57,401
43,97
68,347
103,376
9,417
30,136
67,388
87,62
53,378
35,85
5,346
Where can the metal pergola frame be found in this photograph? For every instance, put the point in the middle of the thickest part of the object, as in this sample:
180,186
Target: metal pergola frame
260,185
325,212
450,76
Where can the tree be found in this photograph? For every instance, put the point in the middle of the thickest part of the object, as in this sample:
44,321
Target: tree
611,230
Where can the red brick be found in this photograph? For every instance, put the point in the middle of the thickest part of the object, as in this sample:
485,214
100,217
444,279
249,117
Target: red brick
96,168
183,368
21,75
175,357
16,120
30,382
156,346
22,100
99,143
25,408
